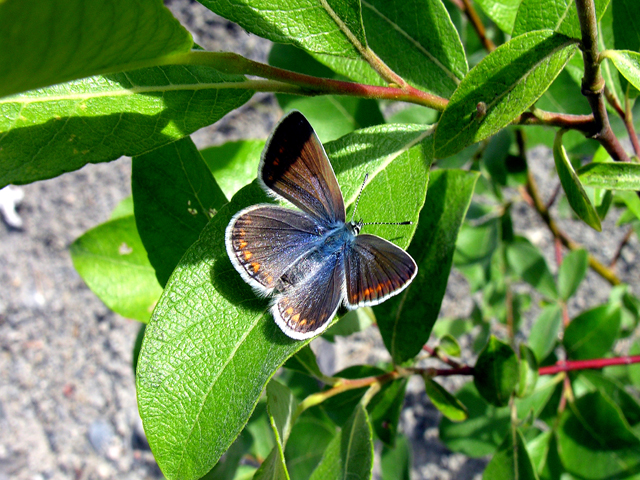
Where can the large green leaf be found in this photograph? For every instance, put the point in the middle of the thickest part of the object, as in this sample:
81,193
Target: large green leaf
350,453
572,187
448,405
332,27
592,333
527,261
594,429
424,49
114,263
502,86
612,176
171,215
406,320
62,128
496,372
558,15
625,15
212,345
44,43
511,461
395,463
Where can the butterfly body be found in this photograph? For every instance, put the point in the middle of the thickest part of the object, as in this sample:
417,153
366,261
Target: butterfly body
311,260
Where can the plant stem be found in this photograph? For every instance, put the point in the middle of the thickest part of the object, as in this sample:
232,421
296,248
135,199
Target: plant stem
474,18
593,83
596,363
535,201
624,241
440,356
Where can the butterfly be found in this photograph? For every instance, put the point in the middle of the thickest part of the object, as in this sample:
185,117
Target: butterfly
311,260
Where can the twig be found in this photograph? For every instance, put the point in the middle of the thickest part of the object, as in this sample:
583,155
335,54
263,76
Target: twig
474,18
554,195
626,116
624,241
597,363
440,356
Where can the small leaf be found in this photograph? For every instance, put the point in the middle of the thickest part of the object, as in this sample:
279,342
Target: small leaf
528,377
171,215
281,406
627,63
450,346
353,321
594,428
511,461
572,187
448,405
527,262
385,408
406,320
350,453
507,82
234,164
304,361
496,372
59,40
592,333
111,259
502,12
61,128
395,463
328,26
544,333
571,273
228,468
612,176
484,430
274,467
309,438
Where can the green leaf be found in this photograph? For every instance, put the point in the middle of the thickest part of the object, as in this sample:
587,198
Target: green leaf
350,453
62,128
572,187
450,346
448,405
304,361
594,428
544,332
228,468
527,262
406,320
281,406
612,176
511,461
137,345
309,438
352,322
44,43
592,333
505,83
502,12
631,200
332,27
171,215
123,209
423,49
634,370
384,410
535,403
395,463
558,15
332,116
627,63
496,372
111,259
528,377
234,164
211,337
571,273
482,432
625,14
274,467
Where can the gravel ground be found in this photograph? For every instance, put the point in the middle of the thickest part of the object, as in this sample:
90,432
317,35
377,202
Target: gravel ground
67,394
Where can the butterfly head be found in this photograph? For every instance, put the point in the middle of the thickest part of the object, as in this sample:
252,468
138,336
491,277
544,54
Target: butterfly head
355,227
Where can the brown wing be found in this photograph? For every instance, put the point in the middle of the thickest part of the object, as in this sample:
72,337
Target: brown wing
295,166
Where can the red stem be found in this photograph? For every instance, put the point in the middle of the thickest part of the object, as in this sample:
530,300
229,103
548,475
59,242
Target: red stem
596,363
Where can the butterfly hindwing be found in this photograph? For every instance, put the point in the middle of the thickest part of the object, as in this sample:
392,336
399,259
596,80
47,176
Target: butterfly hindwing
295,166
375,270
264,240
306,307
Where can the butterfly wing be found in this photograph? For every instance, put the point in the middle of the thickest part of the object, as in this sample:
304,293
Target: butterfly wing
264,240
295,166
306,308
375,270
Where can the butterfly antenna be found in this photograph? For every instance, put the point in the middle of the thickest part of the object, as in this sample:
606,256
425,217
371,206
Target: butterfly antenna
366,175
408,222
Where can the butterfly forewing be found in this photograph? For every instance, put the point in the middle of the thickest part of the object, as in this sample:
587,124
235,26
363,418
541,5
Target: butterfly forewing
264,240
307,306
295,166
375,270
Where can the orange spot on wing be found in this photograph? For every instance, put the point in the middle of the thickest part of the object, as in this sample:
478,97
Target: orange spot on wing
247,255
303,321
243,244
255,266
289,310
296,317
269,279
